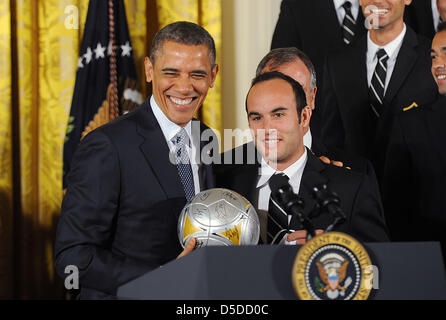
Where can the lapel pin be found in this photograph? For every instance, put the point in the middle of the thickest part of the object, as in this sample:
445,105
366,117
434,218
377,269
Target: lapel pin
413,105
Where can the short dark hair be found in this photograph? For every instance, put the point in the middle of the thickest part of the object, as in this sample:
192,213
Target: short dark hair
183,32
441,27
299,93
280,56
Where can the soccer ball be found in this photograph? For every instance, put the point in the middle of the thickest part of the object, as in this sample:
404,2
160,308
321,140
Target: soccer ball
219,217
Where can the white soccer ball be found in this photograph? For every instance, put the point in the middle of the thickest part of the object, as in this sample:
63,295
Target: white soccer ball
219,217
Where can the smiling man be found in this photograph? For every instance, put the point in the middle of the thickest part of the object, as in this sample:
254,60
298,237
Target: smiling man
297,65
414,184
278,120
181,76
278,116
131,178
368,84
438,55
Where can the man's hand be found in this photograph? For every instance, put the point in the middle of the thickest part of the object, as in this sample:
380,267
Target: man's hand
328,161
300,236
190,246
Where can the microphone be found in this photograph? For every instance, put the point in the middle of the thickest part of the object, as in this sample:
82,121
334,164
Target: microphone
326,200
289,202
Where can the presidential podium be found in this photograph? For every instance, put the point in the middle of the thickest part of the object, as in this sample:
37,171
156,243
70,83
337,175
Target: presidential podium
406,271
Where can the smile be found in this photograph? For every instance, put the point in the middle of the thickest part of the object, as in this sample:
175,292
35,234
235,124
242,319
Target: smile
181,102
271,142
380,11
441,76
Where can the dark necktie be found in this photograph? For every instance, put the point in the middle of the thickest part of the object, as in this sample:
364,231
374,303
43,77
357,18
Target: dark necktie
277,223
377,86
349,24
183,163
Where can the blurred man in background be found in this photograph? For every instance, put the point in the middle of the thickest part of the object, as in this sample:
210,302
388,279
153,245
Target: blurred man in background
414,180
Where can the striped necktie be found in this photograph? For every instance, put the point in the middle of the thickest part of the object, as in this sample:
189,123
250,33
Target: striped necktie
277,223
183,163
377,86
349,24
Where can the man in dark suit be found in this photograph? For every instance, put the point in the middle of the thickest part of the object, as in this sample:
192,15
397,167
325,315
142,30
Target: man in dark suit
415,176
424,16
131,178
367,84
318,27
278,116
297,65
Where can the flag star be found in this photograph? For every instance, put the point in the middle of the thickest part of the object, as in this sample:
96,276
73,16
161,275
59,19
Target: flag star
88,55
99,51
126,49
79,62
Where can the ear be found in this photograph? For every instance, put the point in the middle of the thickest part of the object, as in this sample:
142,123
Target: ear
314,98
214,73
306,116
148,66
407,2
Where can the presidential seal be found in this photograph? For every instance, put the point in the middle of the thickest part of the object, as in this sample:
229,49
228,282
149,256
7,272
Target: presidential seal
332,266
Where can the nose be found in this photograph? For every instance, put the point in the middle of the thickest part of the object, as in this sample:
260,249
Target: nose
266,124
184,85
439,62
270,129
264,129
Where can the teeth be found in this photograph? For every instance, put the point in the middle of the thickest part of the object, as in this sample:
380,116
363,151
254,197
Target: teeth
271,141
380,11
441,77
181,102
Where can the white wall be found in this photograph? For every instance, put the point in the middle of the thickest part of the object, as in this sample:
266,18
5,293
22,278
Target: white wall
248,26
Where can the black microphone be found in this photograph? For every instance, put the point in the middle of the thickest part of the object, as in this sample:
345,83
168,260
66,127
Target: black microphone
327,201
289,202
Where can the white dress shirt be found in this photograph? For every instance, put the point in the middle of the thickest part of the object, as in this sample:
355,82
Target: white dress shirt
170,130
341,12
308,139
392,50
294,172
435,14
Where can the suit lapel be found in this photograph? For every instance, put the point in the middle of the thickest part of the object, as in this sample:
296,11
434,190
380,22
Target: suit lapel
354,59
361,61
248,180
245,175
328,14
360,26
205,170
156,151
404,63
313,167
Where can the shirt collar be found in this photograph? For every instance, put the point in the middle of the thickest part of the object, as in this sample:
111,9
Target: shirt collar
266,171
435,14
392,48
308,139
339,3
169,128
